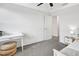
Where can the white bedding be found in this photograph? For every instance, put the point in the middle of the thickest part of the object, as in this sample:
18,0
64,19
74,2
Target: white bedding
71,50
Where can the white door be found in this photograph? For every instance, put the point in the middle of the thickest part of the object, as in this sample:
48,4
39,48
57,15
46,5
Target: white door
50,27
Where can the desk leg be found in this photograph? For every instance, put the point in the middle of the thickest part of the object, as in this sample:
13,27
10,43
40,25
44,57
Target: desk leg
22,44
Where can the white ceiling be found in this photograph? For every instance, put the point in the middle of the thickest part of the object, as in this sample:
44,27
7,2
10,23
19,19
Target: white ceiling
46,7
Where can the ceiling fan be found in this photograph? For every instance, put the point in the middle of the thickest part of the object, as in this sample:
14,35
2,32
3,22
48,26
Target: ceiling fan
51,4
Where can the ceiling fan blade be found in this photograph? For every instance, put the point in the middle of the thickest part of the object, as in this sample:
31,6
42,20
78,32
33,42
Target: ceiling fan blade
51,4
39,4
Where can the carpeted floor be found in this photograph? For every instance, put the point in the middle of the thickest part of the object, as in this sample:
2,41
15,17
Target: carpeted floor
43,48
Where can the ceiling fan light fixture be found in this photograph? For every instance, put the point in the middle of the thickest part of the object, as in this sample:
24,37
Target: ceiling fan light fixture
51,4
39,4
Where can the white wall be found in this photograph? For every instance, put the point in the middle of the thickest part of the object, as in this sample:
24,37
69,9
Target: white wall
14,18
67,17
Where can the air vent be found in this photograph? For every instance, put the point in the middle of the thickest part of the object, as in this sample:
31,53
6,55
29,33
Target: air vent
64,4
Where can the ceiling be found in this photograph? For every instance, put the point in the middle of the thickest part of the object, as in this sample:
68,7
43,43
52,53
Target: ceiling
46,7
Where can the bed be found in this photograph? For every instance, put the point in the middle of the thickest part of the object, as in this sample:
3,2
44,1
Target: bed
70,50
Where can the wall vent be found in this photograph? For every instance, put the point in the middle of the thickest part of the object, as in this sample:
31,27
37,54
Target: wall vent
64,4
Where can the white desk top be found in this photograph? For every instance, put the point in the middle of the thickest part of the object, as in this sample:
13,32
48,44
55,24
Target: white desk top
6,37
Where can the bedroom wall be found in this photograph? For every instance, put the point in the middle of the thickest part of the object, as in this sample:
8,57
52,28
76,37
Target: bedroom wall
67,17
15,18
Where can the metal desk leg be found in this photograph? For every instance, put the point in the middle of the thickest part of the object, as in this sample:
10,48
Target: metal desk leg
22,44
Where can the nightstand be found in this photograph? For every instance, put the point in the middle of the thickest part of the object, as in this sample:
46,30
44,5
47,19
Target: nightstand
68,40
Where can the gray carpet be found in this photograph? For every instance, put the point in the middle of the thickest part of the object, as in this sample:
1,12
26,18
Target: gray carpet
43,48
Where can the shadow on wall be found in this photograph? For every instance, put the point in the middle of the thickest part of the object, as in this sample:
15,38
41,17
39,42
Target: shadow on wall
27,36
18,8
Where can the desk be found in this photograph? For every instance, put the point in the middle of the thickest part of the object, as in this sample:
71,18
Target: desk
13,37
